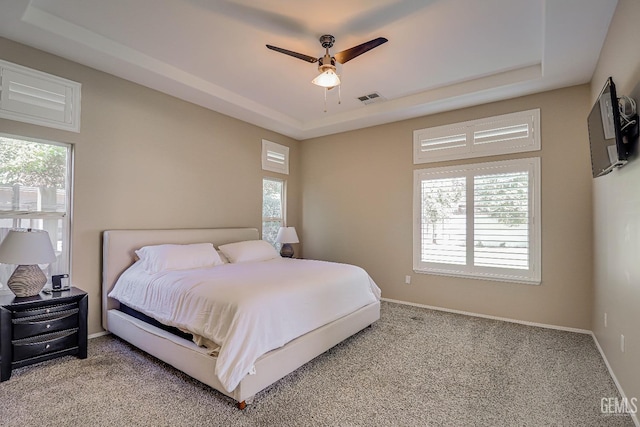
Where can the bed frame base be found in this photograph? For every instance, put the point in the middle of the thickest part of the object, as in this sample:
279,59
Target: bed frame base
197,363
118,255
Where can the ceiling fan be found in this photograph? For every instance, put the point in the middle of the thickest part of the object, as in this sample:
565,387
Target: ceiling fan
327,63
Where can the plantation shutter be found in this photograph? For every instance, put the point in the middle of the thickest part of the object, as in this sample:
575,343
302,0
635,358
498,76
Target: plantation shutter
479,220
437,142
505,134
444,220
275,157
511,132
501,220
31,96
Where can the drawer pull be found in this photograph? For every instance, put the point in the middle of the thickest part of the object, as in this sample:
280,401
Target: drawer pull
48,325
48,310
48,345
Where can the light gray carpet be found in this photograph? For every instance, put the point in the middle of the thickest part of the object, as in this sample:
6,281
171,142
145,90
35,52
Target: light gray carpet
414,367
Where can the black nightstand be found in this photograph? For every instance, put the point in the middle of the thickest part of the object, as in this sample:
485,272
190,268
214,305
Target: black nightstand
42,327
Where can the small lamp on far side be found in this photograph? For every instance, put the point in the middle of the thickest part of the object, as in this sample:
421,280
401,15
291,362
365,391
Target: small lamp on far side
286,236
27,248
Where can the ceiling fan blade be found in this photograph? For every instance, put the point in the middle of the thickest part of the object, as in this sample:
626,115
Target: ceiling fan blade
349,54
304,57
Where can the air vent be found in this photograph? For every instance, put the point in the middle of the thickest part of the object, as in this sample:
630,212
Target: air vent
371,98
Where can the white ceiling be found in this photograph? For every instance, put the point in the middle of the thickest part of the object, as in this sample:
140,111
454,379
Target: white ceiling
441,54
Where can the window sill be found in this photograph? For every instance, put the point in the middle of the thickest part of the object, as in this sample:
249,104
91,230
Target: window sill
492,278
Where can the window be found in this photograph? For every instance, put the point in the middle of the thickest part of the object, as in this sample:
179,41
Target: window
505,134
273,208
31,96
479,220
275,157
35,192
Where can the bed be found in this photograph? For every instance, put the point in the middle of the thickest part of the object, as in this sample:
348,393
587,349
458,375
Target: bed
199,362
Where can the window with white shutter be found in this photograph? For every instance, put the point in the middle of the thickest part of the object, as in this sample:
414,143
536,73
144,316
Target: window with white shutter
275,157
479,221
39,98
509,133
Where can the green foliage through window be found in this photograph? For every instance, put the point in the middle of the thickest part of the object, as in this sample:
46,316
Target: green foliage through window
272,209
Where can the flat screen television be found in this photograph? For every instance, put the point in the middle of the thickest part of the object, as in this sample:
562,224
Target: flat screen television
611,134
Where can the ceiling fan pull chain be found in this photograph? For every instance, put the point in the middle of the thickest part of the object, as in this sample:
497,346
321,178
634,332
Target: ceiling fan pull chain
325,99
339,96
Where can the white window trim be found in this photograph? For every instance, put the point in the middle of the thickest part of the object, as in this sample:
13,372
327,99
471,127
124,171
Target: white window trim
275,157
531,276
39,83
281,218
458,141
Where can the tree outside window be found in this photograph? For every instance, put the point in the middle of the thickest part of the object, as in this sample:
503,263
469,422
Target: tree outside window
272,209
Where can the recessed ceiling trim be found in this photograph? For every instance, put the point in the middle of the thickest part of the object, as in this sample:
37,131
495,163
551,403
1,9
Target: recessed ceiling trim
68,30
406,106
126,45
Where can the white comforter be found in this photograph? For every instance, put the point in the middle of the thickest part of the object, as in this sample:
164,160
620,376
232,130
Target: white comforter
248,309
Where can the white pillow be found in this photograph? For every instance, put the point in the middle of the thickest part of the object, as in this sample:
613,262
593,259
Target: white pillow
250,250
178,257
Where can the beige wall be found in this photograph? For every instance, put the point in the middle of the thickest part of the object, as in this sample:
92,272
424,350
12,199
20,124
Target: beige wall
147,160
616,204
357,208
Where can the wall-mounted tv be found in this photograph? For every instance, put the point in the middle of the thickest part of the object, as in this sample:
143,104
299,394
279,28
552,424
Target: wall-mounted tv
612,133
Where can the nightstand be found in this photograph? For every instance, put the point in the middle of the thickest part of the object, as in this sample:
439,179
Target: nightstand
42,327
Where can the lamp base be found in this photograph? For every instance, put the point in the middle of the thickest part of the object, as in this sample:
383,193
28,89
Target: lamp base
286,251
27,280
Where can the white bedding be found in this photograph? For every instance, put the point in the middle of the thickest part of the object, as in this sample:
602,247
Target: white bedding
248,309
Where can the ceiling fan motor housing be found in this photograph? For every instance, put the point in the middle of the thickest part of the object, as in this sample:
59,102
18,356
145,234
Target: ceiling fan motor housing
327,41
327,61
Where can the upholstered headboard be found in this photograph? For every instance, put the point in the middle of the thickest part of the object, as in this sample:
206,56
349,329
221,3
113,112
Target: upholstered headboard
119,250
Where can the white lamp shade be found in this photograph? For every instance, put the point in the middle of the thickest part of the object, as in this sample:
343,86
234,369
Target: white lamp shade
26,247
287,235
327,78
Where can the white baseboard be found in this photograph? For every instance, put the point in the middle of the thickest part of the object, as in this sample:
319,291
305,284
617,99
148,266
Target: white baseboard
98,334
634,416
486,316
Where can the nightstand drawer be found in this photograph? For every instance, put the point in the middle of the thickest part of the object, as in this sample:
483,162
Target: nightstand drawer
43,344
45,323
44,310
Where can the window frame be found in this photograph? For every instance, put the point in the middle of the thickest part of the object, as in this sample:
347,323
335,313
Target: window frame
463,141
282,219
275,157
36,97
531,275
66,217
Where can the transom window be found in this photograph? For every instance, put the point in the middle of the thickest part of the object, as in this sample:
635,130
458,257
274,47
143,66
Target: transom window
509,133
35,192
479,221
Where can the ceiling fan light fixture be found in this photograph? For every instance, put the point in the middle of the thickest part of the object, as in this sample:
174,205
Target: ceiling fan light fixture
327,78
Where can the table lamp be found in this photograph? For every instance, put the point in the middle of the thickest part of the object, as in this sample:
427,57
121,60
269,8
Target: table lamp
27,248
286,236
